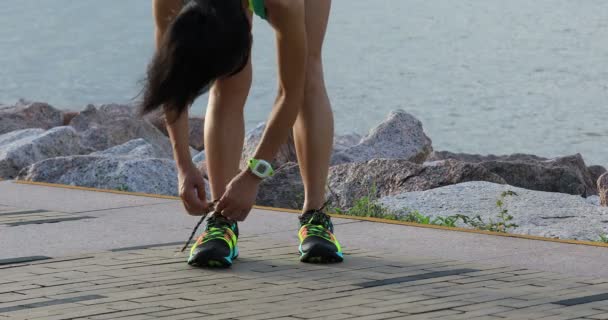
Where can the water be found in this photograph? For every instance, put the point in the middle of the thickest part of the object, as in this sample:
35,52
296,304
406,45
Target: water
484,76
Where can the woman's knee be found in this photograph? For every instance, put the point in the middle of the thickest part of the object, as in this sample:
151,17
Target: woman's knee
230,93
314,73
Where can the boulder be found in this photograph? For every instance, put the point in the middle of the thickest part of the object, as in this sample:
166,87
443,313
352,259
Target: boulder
19,149
596,172
199,157
152,176
567,174
602,186
400,136
594,200
287,152
68,116
200,161
283,190
25,115
383,177
137,148
111,125
475,158
545,214
196,126
10,137
345,141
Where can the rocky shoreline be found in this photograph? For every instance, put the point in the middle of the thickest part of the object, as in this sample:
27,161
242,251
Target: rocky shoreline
108,147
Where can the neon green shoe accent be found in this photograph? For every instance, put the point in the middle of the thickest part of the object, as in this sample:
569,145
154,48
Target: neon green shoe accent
317,241
258,7
215,254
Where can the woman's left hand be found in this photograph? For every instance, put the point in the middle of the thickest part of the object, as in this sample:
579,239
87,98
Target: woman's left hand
239,197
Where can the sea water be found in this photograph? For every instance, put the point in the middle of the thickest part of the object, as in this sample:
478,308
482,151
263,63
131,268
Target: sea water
484,76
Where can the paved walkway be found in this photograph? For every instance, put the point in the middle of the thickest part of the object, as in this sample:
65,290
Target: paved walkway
67,254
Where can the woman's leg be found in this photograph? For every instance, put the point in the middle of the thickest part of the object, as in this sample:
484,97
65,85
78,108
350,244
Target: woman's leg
225,129
314,127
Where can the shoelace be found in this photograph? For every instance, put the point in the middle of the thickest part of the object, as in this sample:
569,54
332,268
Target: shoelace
319,223
318,230
211,210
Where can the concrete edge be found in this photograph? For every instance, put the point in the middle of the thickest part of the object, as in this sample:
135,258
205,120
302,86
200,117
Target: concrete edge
368,219
65,186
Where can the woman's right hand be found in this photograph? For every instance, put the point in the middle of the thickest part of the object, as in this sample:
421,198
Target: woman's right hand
192,190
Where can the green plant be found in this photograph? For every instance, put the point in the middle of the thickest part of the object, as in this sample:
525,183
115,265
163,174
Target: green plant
298,200
122,187
417,217
503,224
366,206
604,238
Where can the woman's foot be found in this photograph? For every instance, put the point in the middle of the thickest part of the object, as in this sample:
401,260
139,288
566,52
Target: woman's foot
217,246
317,241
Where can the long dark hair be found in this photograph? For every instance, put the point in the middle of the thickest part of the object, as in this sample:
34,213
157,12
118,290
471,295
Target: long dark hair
208,39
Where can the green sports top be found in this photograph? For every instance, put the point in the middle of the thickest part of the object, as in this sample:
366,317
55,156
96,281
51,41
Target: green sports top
258,7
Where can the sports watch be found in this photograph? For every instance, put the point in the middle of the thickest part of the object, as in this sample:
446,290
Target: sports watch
260,168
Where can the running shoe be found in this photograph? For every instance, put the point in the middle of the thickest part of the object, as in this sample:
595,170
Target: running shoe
217,246
318,244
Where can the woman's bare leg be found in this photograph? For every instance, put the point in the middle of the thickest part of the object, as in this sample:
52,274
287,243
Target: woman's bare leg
314,127
225,129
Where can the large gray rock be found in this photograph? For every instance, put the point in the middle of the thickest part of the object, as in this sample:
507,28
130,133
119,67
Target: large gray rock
465,157
25,115
153,176
284,190
111,125
349,182
341,143
400,136
19,149
546,214
602,186
596,172
199,157
567,174
137,148
196,126
287,152
68,115
345,141
10,137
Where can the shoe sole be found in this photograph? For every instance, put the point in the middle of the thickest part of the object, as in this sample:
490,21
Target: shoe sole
317,256
212,262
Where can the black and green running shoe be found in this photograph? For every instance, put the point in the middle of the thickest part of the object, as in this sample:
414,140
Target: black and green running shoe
217,246
317,241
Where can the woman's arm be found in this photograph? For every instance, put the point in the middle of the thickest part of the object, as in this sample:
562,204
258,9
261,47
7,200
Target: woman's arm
190,181
288,19
164,13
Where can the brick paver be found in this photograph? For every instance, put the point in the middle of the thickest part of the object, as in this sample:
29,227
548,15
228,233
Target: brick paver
268,282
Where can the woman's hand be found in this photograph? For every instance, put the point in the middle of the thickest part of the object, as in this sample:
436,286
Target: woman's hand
240,195
192,190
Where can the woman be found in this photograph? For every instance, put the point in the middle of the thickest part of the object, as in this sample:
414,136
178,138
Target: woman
205,44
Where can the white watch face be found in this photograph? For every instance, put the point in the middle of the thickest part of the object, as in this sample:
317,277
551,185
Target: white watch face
262,168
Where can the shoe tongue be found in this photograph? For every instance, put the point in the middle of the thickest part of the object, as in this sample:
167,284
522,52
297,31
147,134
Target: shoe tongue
217,220
315,217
